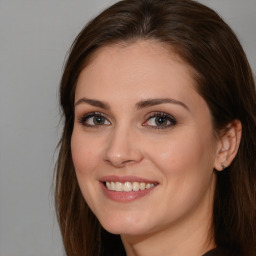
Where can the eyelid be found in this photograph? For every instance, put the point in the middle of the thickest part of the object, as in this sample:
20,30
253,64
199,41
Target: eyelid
84,117
155,114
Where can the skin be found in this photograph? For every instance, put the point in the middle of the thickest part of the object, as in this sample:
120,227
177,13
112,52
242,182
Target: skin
175,217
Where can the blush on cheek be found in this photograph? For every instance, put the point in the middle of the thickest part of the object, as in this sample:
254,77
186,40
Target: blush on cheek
84,154
79,156
82,160
180,155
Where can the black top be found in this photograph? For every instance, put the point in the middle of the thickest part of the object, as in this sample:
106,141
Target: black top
215,252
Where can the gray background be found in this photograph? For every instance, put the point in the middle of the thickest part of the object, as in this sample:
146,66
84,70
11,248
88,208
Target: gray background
34,38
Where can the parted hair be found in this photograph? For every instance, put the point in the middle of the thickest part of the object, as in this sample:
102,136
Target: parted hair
223,78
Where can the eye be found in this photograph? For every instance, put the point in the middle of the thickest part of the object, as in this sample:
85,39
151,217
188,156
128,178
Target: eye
160,120
94,119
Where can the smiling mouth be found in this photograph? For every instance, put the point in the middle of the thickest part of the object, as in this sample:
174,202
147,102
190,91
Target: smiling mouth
128,186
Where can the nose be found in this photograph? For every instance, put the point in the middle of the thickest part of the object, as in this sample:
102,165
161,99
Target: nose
123,148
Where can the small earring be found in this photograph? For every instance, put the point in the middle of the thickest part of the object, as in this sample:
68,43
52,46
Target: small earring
224,169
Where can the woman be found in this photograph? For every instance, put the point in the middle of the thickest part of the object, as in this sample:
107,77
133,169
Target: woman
157,152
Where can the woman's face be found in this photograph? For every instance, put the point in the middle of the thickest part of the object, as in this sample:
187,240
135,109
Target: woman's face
143,144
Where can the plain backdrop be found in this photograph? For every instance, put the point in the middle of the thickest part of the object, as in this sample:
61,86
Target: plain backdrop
34,38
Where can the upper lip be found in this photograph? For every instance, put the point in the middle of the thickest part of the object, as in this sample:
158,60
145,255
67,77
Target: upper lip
123,179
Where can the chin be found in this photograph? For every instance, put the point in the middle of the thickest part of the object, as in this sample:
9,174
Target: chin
128,230
124,226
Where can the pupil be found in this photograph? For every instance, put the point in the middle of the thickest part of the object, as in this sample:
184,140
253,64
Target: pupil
98,120
161,121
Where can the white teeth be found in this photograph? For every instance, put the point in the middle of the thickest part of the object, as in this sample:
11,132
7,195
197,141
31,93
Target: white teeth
148,186
128,186
142,186
112,185
108,185
136,186
119,186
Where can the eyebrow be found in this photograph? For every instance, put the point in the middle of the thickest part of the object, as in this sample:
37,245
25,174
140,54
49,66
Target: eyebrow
93,102
139,105
153,102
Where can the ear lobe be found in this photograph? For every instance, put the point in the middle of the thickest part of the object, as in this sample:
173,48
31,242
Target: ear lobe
228,145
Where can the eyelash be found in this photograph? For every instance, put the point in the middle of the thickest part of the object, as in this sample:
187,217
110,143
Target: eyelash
168,118
85,118
172,121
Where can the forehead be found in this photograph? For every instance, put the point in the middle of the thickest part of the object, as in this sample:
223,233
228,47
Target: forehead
142,65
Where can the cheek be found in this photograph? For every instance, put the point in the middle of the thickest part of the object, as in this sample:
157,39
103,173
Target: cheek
85,154
186,167
186,153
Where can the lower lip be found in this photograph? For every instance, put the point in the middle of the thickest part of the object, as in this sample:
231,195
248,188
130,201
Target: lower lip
125,196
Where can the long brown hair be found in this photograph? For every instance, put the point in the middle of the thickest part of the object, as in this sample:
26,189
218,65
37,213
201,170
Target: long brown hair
224,79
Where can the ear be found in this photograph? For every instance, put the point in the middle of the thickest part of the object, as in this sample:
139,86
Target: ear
228,145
